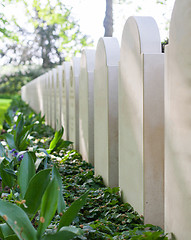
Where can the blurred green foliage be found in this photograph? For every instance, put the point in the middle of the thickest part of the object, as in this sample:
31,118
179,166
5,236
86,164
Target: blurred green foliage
14,77
4,104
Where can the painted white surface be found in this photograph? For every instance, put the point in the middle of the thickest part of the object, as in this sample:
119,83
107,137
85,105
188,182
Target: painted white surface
74,102
65,81
140,100
178,123
57,100
86,105
106,110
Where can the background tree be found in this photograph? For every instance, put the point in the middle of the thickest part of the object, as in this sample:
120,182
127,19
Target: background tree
52,36
5,32
108,20
56,20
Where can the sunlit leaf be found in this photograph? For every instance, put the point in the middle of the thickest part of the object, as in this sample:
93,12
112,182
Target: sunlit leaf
17,219
48,206
65,233
34,194
61,203
26,172
72,211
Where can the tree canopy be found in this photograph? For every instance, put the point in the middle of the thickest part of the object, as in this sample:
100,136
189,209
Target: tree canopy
4,23
55,37
51,36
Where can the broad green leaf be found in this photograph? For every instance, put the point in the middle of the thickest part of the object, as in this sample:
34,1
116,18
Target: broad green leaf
8,118
2,150
35,190
7,179
10,140
72,211
48,206
11,172
77,231
19,128
63,144
46,162
12,237
55,140
61,203
65,233
5,230
24,141
7,233
26,172
17,219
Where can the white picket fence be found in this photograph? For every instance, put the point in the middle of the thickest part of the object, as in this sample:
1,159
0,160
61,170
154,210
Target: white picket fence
112,105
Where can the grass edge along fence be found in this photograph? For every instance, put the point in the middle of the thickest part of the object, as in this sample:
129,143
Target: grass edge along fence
31,153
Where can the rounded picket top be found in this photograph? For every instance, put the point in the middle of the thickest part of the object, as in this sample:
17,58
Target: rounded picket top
86,105
140,35
106,110
107,52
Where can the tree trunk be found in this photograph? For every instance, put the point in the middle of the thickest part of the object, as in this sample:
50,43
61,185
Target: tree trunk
108,20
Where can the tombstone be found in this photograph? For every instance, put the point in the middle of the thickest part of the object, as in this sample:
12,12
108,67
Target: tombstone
30,99
39,91
59,95
86,105
141,119
24,93
46,96
64,77
106,110
73,102
53,96
42,83
34,95
178,123
51,99
28,93
57,99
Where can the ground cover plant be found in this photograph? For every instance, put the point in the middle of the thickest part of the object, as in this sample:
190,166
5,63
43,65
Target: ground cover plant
69,202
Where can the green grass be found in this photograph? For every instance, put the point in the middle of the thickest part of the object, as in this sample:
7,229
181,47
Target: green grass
4,104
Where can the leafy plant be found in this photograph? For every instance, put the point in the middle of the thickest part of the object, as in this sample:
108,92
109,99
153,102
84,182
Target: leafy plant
57,142
47,197
81,206
21,225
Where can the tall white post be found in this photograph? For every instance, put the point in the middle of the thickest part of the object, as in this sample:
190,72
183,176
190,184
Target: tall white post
74,102
141,119
106,110
86,105
178,123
